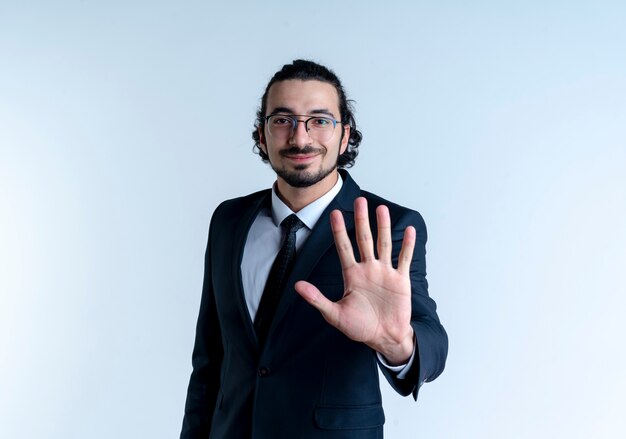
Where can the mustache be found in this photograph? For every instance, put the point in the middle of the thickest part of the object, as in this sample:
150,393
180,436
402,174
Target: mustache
294,150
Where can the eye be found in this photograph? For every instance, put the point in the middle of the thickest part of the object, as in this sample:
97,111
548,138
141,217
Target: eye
280,120
321,122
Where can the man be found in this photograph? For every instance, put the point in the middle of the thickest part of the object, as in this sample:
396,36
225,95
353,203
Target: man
302,299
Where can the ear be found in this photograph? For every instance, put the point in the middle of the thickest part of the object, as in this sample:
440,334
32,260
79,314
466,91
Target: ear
262,139
345,139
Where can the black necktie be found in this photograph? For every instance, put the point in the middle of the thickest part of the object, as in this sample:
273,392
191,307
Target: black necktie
278,275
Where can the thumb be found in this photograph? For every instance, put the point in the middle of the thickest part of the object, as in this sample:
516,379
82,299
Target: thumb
310,293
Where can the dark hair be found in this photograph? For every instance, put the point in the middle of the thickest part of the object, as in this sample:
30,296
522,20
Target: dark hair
309,71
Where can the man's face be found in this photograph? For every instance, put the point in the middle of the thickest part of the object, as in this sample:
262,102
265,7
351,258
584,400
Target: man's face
300,158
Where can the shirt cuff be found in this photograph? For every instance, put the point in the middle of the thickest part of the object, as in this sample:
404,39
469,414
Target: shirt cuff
401,369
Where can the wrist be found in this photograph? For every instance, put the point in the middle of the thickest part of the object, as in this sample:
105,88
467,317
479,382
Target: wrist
399,353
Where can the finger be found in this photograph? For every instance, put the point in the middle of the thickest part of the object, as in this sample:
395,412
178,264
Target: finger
310,293
406,253
342,242
384,234
363,231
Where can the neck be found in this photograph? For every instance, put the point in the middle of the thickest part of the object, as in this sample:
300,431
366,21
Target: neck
297,198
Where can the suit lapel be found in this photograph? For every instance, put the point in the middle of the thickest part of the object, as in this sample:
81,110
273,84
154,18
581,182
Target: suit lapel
239,241
318,243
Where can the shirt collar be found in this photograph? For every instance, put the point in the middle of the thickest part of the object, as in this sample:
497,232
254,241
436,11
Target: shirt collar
309,214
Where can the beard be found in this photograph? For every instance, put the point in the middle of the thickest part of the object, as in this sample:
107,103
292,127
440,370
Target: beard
300,177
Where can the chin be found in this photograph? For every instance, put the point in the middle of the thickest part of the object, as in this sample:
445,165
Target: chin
300,177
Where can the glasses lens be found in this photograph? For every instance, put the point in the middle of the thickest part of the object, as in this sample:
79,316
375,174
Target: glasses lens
280,126
321,128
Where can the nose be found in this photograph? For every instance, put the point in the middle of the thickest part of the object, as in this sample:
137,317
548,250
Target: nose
300,135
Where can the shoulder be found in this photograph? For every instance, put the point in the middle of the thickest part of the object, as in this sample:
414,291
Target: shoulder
233,209
401,216
244,202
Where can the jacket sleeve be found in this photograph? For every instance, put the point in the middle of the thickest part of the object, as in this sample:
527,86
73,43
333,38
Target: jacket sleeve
431,338
207,357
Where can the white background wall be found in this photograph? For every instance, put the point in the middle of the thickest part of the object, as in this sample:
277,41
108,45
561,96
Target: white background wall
123,125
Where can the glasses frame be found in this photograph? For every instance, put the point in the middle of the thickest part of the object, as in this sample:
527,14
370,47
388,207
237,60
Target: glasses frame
295,121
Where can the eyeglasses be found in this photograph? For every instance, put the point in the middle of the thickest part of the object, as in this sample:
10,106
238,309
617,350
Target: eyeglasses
282,126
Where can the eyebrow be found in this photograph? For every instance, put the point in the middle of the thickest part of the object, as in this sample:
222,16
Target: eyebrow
316,111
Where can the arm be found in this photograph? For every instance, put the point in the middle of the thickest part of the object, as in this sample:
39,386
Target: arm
385,303
431,340
207,357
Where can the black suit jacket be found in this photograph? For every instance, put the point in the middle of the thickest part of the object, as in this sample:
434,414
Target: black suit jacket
308,380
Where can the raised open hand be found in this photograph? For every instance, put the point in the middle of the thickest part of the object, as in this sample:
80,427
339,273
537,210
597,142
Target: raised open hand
376,304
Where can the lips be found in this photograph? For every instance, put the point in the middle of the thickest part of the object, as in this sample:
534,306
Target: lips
299,157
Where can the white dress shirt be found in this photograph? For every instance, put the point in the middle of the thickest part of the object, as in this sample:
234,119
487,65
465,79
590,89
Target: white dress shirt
265,238
264,241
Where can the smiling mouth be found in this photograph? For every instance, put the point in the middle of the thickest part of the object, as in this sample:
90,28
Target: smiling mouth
299,157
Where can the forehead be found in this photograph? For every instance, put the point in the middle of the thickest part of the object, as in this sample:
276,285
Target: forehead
302,97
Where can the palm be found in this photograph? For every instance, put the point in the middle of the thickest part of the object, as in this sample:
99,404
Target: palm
376,305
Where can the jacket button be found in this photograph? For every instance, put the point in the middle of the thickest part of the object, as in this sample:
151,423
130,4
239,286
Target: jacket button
264,371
